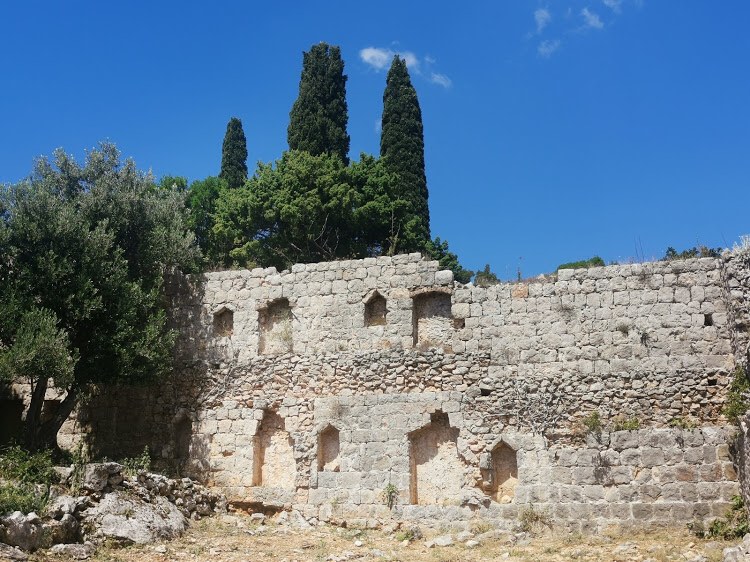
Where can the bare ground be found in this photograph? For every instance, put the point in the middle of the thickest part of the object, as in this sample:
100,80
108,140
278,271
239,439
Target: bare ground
235,538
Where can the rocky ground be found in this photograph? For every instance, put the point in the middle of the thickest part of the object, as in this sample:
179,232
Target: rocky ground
240,538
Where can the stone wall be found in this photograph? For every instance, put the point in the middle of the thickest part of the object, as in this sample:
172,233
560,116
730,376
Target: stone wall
323,386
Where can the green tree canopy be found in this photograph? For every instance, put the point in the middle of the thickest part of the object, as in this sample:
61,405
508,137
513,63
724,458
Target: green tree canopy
83,250
438,250
234,155
201,201
319,116
402,148
486,277
302,209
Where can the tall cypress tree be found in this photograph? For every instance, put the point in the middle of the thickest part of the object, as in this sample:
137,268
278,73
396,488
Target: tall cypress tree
234,155
402,149
317,122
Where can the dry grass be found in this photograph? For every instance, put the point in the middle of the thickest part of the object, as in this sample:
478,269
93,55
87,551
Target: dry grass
236,539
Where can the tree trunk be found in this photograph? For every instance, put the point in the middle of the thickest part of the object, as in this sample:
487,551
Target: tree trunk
40,435
34,413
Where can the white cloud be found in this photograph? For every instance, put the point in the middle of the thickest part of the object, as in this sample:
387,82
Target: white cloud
378,125
379,58
376,57
441,79
547,48
591,19
542,17
410,59
613,5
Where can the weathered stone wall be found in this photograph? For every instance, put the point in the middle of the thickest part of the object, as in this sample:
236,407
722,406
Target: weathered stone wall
297,390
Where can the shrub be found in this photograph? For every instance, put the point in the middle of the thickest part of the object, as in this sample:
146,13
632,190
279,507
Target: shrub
531,519
694,252
133,465
22,497
625,424
20,466
593,423
596,261
737,398
389,495
732,526
28,477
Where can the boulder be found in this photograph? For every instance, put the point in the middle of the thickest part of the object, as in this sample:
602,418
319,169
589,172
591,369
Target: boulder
96,475
12,553
66,530
127,519
62,505
75,551
23,531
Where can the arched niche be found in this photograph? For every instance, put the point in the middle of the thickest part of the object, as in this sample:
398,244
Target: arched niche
273,454
432,323
503,473
329,447
436,471
223,322
275,322
376,309
182,435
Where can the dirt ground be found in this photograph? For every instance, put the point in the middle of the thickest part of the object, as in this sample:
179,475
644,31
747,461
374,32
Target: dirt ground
236,538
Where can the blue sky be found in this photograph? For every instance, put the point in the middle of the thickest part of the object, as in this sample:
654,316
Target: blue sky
554,130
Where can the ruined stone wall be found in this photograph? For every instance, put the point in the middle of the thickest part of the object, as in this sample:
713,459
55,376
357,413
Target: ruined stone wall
324,386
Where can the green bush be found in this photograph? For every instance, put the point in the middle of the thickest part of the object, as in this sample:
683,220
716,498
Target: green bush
133,465
621,423
593,423
733,526
596,261
22,497
737,398
695,252
27,479
20,466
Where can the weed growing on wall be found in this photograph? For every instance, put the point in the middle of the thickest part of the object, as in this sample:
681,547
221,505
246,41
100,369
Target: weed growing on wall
738,398
732,526
683,423
389,495
593,423
531,519
621,423
134,465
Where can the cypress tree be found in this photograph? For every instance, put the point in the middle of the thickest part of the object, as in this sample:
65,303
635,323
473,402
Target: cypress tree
402,148
317,122
234,155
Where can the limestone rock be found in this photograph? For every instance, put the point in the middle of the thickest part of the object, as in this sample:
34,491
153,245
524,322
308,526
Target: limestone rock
96,475
128,519
442,540
75,551
12,553
24,531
